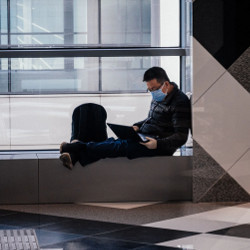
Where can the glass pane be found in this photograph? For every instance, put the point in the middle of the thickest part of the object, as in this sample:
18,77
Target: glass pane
31,16
123,21
37,40
140,23
81,74
3,16
92,22
3,75
169,23
3,22
53,75
37,22
80,15
126,74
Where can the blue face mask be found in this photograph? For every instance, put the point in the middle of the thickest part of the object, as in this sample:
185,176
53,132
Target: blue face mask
158,95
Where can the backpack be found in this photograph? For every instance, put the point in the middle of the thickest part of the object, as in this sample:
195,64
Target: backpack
89,123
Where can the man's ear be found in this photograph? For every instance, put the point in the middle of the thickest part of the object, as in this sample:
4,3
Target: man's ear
167,83
165,87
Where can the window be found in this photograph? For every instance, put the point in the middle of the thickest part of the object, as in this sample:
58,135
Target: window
60,49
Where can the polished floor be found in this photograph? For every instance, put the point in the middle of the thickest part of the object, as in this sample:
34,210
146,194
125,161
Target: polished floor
185,225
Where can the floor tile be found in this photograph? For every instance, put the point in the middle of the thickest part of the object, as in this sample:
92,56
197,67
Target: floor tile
46,238
51,249
95,244
6,212
191,224
238,215
8,227
153,247
29,220
84,227
122,205
146,234
238,231
209,242
245,248
245,205
147,214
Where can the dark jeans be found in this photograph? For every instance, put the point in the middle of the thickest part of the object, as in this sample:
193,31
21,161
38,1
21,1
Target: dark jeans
112,148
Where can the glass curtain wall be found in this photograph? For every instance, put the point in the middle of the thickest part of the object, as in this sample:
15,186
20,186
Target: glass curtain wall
62,53
32,24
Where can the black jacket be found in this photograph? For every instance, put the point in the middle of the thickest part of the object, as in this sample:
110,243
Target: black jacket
168,121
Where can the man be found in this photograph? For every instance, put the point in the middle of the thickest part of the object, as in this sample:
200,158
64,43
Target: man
167,127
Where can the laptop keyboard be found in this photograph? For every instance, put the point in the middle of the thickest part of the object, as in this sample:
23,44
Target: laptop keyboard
24,239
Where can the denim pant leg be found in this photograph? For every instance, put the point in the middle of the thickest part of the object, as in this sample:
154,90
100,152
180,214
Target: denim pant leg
136,150
110,148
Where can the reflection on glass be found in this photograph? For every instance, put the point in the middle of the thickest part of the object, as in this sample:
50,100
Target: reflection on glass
44,75
91,22
125,74
3,23
125,22
81,74
3,75
3,16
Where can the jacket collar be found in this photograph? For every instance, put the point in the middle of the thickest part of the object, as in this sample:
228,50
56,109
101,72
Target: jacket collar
170,96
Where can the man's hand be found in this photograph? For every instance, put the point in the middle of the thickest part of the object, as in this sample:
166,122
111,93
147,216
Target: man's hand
151,144
136,128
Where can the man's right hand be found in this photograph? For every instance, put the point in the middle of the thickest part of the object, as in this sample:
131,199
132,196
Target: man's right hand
136,128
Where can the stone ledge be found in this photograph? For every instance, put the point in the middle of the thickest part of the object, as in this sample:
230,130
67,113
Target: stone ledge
40,177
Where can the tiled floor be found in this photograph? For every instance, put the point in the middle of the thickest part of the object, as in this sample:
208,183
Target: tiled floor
200,226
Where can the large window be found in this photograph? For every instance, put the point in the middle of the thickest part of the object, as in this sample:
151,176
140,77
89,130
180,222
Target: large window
84,50
143,27
90,22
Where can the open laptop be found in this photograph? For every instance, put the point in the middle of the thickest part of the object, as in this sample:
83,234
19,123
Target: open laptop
127,132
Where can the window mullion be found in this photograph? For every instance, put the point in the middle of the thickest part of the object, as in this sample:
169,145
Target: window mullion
68,31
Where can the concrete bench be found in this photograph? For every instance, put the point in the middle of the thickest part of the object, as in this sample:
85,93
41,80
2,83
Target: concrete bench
39,177
19,178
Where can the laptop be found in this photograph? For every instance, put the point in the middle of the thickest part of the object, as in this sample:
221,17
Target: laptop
127,132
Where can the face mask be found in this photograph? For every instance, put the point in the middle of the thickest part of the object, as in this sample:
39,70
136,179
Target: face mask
158,95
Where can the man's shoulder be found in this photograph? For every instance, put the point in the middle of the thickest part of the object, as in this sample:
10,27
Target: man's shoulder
181,97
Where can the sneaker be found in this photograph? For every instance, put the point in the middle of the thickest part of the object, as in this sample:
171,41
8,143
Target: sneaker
66,160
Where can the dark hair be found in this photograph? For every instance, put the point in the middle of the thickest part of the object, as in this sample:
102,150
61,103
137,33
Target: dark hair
156,73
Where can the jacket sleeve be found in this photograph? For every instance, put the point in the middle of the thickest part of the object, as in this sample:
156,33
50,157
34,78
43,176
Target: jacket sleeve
181,121
139,124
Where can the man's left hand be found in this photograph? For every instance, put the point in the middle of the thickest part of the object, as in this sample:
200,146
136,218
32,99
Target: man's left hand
151,144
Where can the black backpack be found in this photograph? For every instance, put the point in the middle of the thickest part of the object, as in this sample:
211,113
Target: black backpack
89,123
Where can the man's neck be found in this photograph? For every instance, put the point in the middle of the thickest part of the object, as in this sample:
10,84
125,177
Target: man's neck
170,88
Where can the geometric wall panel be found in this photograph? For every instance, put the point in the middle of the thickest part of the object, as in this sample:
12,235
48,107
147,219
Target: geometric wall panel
206,70
221,86
222,120
211,183
226,189
241,171
240,69
222,27
206,172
